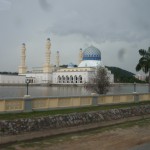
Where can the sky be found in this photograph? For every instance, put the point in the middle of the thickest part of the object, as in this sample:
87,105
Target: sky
119,28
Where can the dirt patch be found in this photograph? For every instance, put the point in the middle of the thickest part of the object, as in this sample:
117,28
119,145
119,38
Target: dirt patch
109,139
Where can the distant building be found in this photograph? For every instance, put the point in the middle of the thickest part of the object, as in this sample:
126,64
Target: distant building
89,59
140,77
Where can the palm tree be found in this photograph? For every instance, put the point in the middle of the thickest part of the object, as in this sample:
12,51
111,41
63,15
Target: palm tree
144,62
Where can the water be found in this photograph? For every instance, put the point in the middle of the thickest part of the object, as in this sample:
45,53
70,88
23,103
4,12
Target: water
20,91
145,146
128,88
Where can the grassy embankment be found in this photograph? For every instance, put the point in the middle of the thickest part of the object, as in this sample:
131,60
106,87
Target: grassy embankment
11,116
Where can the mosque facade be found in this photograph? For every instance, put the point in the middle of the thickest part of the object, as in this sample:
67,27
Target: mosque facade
89,59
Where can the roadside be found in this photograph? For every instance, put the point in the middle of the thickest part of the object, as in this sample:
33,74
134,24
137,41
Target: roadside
122,137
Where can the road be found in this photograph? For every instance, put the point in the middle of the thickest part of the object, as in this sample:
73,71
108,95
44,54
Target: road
120,138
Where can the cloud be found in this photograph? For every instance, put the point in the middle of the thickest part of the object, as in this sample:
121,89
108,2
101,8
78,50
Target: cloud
5,5
119,28
45,5
113,21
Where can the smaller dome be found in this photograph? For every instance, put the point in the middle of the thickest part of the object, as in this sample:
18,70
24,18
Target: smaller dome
70,65
91,53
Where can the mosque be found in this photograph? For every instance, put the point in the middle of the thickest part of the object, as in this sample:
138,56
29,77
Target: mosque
89,59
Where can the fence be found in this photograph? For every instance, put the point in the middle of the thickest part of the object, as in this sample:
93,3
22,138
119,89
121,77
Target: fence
28,104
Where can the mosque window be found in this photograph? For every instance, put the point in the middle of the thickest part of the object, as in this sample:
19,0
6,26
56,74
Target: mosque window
59,79
67,78
76,79
71,79
80,79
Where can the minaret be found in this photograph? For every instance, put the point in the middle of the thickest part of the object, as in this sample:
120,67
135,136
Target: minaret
57,59
47,66
80,55
22,67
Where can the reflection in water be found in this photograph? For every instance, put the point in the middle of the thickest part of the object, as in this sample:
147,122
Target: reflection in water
20,91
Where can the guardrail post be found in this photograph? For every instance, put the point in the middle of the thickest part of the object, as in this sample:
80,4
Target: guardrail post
27,103
94,100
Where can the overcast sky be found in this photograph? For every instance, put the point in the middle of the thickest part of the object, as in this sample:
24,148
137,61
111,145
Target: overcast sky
119,28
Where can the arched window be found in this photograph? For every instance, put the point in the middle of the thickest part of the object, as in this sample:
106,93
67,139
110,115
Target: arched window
67,79
58,79
80,79
75,79
71,79
63,79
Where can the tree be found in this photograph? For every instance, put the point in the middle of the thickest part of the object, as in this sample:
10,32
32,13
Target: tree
144,63
99,82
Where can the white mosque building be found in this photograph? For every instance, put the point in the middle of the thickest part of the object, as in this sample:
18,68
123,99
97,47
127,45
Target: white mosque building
89,59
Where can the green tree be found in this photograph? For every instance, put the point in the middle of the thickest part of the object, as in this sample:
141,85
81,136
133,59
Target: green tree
144,62
99,82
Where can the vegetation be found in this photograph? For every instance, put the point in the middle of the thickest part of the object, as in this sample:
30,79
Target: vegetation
11,116
9,73
144,62
99,82
65,66
123,76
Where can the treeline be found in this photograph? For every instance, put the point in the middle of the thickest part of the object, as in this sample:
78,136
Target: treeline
123,76
9,73
65,66
127,79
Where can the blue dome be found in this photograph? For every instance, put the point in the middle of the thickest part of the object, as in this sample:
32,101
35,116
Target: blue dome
91,53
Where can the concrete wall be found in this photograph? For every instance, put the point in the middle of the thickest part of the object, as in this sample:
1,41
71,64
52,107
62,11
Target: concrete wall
28,104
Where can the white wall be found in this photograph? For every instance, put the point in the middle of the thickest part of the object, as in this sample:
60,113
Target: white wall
12,79
40,77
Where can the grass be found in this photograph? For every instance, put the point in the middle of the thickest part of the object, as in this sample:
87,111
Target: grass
12,116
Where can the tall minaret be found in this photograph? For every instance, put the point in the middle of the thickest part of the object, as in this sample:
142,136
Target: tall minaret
47,66
80,55
57,59
22,67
